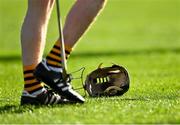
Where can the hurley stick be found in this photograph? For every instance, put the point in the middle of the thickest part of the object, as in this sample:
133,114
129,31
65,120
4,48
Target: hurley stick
61,37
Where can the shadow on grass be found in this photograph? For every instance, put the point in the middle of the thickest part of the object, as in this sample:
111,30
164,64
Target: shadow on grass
128,52
134,99
15,109
105,53
152,98
10,58
118,98
144,98
18,109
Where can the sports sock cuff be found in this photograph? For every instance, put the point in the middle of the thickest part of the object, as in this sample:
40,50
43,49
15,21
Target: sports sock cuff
68,49
29,67
31,84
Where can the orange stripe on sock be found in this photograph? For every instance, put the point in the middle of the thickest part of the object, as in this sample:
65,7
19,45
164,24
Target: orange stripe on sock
34,87
29,67
31,81
57,43
54,56
67,48
28,75
53,63
56,50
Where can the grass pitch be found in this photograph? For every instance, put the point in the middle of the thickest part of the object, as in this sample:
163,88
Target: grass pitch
143,36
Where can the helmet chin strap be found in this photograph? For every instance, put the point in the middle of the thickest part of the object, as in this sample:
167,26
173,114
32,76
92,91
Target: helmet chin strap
81,78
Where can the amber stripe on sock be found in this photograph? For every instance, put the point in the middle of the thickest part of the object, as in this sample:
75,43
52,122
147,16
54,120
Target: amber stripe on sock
54,57
31,83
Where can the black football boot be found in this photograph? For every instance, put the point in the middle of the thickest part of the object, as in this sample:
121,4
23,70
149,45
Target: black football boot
54,79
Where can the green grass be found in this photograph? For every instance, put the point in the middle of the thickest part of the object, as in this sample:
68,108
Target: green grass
142,35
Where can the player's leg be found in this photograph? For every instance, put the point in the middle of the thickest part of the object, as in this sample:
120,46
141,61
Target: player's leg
81,15
33,37
78,20
34,29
